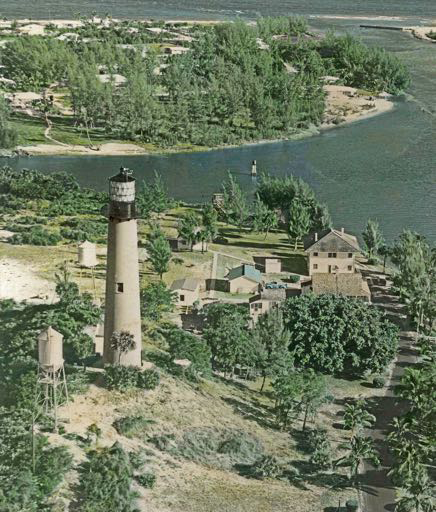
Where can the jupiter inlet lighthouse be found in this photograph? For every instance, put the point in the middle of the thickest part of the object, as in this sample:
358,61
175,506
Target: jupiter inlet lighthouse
122,305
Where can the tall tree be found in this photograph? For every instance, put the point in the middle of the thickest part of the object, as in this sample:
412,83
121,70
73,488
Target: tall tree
8,135
264,219
235,204
373,239
159,252
188,228
272,336
299,221
156,299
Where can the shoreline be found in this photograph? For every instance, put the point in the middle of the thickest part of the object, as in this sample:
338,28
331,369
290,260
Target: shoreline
344,106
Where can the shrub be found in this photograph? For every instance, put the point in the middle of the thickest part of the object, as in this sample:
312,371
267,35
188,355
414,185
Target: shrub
352,505
123,378
147,480
148,379
266,467
105,481
378,382
130,426
294,278
183,345
36,236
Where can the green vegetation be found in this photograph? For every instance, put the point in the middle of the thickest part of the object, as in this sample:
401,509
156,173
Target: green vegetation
130,426
30,468
156,300
105,481
8,135
123,378
339,335
373,240
236,82
183,345
415,279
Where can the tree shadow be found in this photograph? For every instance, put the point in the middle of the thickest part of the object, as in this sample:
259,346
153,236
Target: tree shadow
257,413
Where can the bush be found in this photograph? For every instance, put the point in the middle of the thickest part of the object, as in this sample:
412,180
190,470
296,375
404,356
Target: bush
147,480
266,467
352,505
294,278
378,382
183,345
148,379
36,236
130,426
105,481
123,378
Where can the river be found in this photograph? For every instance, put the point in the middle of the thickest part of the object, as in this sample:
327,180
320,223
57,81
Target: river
381,168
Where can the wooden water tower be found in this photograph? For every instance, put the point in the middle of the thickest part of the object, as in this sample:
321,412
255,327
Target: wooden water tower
122,304
87,258
86,255
51,383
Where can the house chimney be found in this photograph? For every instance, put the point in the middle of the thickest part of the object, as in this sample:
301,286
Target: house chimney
342,230
316,237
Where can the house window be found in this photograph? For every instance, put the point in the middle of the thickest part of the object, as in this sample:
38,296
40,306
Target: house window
182,298
120,287
350,254
350,267
315,266
332,255
315,254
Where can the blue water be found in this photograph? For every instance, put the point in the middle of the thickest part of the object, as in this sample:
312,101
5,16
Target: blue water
207,9
383,167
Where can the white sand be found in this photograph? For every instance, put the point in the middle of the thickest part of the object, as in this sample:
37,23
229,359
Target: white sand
344,105
19,281
111,148
421,32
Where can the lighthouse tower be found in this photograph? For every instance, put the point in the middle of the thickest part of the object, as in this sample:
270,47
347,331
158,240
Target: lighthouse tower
122,309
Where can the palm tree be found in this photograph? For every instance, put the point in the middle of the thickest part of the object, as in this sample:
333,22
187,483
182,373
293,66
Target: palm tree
359,449
122,342
357,418
418,496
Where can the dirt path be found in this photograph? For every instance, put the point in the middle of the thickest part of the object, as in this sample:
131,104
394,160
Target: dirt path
377,489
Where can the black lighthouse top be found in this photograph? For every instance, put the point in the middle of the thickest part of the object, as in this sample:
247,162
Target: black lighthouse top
122,195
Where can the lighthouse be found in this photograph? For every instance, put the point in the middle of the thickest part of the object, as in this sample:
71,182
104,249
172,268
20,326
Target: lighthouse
122,305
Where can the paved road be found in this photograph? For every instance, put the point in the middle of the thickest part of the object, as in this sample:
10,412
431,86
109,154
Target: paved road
378,492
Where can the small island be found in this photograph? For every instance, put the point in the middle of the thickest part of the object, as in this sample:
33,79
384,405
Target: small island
104,86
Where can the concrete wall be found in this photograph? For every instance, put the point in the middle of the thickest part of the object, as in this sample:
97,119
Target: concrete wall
122,312
343,260
243,285
188,296
273,266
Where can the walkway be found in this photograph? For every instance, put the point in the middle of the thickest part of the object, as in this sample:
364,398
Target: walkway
378,491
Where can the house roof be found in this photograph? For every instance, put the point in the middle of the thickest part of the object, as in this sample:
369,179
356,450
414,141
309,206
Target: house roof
188,283
331,240
349,285
248,271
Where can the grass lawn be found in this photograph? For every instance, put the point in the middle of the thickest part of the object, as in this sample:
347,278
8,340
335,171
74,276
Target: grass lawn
30,130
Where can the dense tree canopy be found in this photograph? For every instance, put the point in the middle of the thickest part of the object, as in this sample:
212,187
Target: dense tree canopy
338,335
237,82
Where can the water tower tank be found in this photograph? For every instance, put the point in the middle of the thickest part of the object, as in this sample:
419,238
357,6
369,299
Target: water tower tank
50,350
87,256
